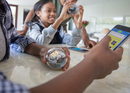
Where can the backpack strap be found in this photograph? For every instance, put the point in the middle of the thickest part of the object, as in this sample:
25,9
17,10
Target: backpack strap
41,27
57,39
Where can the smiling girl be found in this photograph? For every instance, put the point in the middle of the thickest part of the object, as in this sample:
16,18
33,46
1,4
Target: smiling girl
46,30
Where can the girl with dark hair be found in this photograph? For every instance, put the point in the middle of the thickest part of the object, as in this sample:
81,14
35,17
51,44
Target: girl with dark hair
46,30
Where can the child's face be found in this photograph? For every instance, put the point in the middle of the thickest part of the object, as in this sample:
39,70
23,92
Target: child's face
47,14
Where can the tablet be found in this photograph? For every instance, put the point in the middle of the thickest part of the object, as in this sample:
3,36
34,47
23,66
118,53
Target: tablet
78,49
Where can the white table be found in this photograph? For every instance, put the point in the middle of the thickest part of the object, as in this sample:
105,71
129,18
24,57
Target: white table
30,71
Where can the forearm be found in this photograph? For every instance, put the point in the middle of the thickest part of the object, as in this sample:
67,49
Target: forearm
57,23
73,81
25,28
29,16
79,24
84,34
33,49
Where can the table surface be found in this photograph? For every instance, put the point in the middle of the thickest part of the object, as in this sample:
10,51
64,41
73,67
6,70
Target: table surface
30,71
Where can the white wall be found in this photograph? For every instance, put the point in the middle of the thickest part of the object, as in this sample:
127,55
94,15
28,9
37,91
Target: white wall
114,8
108,9
20,16
117,8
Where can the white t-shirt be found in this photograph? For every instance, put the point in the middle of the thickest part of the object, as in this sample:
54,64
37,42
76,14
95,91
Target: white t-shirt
2,44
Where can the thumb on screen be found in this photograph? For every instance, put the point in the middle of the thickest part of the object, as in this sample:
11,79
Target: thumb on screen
105,41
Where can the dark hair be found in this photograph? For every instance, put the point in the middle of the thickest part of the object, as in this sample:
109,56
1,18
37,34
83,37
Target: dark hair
37,7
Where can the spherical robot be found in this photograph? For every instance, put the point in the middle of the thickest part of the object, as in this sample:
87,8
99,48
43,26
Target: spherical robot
56,58
73,10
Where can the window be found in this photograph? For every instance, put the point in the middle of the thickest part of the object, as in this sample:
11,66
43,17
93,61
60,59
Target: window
108,22
127,21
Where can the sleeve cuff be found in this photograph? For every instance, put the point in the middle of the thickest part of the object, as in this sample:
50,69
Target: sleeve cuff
77,32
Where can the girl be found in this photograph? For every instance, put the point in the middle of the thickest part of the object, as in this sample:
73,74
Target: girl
45,30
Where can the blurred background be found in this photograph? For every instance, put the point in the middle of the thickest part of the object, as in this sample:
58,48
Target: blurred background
100,13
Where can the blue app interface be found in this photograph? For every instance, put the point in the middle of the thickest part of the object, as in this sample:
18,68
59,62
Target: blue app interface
117,37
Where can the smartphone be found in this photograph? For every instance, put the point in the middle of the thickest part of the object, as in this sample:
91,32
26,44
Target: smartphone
78,49
119,34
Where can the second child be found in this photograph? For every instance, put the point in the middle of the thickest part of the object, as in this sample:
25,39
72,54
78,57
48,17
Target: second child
46,30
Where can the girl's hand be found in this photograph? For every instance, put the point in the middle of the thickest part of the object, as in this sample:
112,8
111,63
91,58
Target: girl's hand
44,51
78,17
64,15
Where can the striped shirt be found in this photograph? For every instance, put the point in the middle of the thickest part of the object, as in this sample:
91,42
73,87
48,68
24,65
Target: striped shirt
17,41
11,35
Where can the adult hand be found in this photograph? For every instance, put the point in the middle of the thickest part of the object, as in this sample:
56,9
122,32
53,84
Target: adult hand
104,59
68,58
87,42
44,51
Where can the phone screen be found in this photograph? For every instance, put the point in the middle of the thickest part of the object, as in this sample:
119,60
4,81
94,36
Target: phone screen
117,37
78,49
